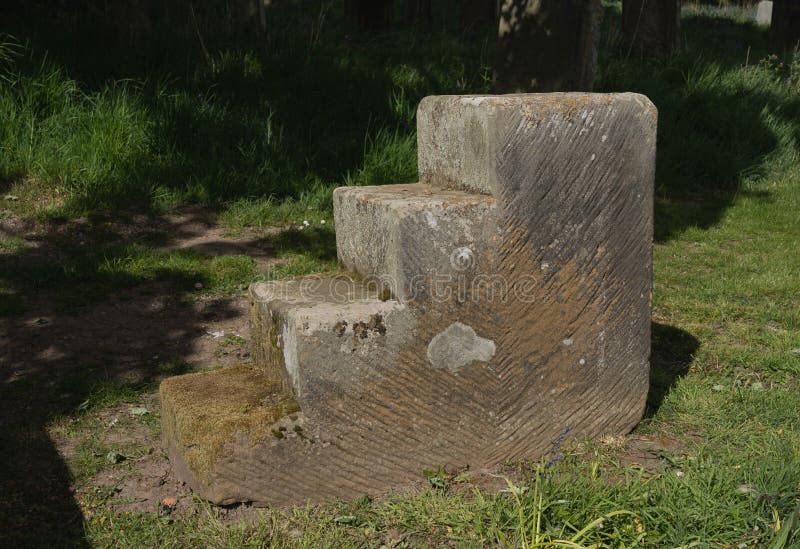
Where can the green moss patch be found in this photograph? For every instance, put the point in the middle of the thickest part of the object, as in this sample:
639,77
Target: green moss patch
202,413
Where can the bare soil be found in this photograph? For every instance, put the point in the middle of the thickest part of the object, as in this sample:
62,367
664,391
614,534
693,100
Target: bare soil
51,360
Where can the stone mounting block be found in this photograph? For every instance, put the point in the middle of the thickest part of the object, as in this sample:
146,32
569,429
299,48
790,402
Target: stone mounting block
481,313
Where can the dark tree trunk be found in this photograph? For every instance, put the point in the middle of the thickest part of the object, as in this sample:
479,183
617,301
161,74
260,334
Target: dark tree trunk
419,13
547,45
784,35
652,27
369,15
478,14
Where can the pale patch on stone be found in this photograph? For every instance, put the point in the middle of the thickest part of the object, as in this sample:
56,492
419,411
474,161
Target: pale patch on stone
431,219
458,346
289,336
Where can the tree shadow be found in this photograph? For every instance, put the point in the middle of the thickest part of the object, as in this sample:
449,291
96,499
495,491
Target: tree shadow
721,119
125,333
672,352
319,244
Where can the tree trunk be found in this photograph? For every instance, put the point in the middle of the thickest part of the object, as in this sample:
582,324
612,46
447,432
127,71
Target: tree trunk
547,45
369,15
419,13
478,14
784,35
652,26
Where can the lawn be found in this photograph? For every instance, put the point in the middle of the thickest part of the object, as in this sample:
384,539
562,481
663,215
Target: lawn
93,168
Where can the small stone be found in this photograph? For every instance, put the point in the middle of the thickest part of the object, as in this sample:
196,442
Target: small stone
198,285
680,474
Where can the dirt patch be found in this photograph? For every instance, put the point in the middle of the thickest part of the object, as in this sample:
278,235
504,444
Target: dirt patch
53,364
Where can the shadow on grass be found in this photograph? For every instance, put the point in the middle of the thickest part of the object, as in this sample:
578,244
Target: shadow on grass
672,352
134,328
318,243
723,119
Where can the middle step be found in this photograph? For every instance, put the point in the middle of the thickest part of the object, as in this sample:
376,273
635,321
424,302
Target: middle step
415,242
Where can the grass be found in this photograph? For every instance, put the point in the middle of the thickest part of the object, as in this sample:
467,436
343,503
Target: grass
262,136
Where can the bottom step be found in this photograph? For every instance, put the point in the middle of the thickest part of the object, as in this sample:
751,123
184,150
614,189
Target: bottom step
302,423
205,416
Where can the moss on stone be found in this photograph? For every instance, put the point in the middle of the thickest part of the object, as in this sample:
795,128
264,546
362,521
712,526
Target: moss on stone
204,413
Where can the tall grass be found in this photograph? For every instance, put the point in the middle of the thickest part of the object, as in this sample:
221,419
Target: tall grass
244,126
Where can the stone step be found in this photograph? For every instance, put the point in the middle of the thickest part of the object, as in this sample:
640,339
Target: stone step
414,241
206,418
322,334
262,432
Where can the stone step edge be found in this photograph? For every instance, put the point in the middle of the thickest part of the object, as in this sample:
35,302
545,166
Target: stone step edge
283,311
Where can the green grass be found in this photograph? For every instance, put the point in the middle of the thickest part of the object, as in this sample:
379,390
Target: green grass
263,139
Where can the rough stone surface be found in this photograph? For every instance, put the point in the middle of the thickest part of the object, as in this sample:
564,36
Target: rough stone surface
547,45
548,330
414,241
764,13
473,143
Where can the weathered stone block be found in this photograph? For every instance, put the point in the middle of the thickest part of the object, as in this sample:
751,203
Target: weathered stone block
501,144
547,331
324,335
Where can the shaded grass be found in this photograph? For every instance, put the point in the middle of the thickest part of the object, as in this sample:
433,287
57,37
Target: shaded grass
86,274
319,119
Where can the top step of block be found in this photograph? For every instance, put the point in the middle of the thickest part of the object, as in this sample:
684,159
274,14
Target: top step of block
472,142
